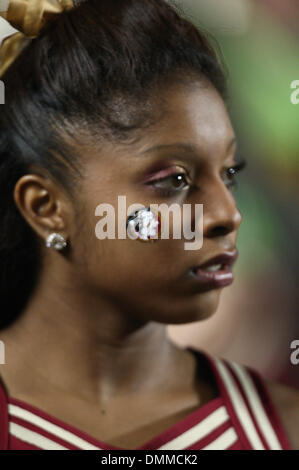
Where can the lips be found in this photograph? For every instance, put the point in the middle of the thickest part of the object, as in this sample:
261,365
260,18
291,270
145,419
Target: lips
225,259
221,276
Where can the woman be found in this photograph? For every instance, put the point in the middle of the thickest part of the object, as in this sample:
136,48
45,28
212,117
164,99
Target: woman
107,99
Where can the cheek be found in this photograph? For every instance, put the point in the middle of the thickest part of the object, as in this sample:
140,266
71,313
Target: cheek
122,263
138,276
119,262
121,266
141,276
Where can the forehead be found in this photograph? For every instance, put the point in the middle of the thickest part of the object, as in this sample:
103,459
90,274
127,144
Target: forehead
194,113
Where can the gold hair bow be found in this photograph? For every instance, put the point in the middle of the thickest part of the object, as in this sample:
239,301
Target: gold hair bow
29,17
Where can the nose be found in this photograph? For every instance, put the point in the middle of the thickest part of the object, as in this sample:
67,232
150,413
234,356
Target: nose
220,214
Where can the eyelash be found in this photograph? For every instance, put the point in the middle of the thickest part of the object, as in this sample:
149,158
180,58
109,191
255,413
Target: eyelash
233,170
170,192
230,172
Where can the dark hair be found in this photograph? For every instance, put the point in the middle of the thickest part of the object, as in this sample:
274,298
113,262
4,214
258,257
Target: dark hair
91,74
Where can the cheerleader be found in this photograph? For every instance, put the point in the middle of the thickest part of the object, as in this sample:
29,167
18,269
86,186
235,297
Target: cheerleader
106,99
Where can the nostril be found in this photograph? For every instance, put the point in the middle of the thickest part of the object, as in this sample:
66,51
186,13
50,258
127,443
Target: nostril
219,231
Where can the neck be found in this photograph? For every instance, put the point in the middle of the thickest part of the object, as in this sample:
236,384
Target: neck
67,337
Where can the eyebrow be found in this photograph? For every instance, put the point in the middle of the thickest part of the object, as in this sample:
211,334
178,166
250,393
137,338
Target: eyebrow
187,146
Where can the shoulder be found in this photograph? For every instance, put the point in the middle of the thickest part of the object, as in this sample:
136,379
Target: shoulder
286,402
280,401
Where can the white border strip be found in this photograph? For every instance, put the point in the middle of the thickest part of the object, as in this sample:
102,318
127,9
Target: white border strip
257,407
42,423
239,405
199,431
223,442
32,437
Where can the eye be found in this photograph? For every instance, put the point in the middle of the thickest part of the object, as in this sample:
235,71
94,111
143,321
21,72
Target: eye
231,172
171,184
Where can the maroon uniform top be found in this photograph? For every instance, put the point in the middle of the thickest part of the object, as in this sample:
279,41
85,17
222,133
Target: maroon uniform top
241,417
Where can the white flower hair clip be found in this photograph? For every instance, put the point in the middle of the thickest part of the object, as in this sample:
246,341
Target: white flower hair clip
144,224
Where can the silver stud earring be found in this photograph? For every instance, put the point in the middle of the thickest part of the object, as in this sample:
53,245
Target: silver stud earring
56,241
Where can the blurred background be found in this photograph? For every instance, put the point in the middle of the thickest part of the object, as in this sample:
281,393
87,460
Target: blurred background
258,316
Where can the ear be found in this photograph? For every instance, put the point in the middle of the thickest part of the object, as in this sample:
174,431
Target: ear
42,204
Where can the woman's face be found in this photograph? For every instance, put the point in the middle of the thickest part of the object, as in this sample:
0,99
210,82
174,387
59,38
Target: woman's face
149,280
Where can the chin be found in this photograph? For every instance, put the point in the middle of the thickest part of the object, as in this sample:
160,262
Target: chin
199,307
